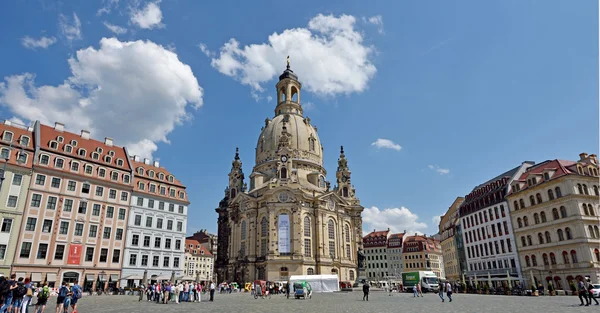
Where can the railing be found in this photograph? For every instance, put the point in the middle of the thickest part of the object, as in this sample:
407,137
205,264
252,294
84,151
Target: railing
483,273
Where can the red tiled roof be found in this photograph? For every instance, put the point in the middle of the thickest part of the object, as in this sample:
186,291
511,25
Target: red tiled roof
196,246
395,240
18,134
146,179
560,168
50,134
377,233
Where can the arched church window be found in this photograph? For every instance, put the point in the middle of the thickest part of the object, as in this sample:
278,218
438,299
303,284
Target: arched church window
283,173
321,181
233,192
243,230
347,232
306,226
310,271
264,227
282,95
331,230
311,144
345,192
295,94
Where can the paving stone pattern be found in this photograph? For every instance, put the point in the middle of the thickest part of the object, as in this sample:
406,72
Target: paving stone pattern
346,302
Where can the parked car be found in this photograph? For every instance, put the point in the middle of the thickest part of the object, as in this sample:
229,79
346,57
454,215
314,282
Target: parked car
596,290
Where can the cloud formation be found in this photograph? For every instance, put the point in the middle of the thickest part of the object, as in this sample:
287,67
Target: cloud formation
376,20
439,170
33,44
381,143
148,17
71,29
118,30
396,219
107,6
136,92
328,55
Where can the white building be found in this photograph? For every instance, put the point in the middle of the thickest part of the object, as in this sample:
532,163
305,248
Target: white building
488,233
394,254
376,264
199,262
157,226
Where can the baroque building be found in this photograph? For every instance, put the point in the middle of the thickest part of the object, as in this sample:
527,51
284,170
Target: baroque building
199,262
376,262
289,221
555,211
447,240
422,253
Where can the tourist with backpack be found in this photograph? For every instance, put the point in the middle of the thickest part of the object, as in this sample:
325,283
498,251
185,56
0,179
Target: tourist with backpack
63,294
18,293
42,299
28,296
77,293
6,289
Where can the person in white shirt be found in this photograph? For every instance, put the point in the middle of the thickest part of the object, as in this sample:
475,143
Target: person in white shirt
212,291
449,291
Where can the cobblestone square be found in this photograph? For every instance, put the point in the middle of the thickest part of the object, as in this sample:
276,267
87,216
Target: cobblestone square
340,302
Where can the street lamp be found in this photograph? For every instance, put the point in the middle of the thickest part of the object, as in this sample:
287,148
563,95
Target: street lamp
7,158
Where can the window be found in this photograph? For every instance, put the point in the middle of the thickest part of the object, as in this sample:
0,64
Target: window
243,230
140,201
140,187
74,166
110,212
347,233
116,256
548,238
574,256
60,252
179,226
64,228
89,254
348,250
331,230
550,194
114,176
6,225
563,212
124,196
119,234
55,182
172,192
106,233
181,209
144,260
47,226
8,136
96,209
178,244
82,207
22,157
538,197
152,188
121,213
181,195
30,226
157,242
71,185
540,238
78,229
59,163
163,191
36,200
148,221
132,259
169,225
307,248
95,155
543,216
552,259
102,172
568,233
93,233
155,261
103,255
89,170
40,180
161,205
176,262
146,241
310,271
85,188
112,194
555,214
25,250
168,243
120,162
151,203
12,201
171,207
81,152
137,221
135,240
536,218
17,179
159,223
560,234
99,191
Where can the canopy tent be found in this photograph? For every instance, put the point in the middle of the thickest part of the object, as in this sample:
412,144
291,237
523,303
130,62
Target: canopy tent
319,283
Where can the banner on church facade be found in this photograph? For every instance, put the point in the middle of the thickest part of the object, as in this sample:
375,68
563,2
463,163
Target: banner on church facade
284,233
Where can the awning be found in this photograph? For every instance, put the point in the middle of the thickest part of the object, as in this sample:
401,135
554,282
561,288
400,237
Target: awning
114,277
21,274
548,278
184,278
51,277
162,278
133,277
556,278
36,277
569,277
90,277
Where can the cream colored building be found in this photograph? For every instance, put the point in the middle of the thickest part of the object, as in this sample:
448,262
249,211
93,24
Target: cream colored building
555,214
447,238
16,154
422,253
289,221
199,262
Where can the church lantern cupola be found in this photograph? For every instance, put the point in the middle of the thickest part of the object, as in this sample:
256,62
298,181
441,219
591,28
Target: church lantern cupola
288,92
342,175
236,176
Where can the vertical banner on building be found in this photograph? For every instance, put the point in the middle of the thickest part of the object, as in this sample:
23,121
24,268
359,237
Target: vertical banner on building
284,233
74,254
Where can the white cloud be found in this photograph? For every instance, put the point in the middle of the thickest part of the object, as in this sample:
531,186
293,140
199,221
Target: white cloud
396,219
71,29
329,57
115,28
16,120
436,220
43,42
307,106
439,170
107,6
149,17
386,144
136,92
376,20
205,50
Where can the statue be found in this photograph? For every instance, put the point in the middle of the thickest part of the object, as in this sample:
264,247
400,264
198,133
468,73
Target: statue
288,62
361,259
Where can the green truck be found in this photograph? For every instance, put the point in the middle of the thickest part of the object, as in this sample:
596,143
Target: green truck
429,282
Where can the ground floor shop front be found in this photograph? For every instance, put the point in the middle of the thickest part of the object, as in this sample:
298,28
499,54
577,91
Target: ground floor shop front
133,277
88,278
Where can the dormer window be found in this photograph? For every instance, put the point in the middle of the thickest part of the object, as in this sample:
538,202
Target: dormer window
7,136
152,188
107,159
114,176
161,176
126,179
172,193
58,163
579,170
119,162
95,155
151,174
546,176
181,195
141,186
44,159
68,148
99,150
74,143
53,145
74,166
60,139
81,152
24,141
111,153
170,178
5,154
140,171
102,172
163,191
89,170
22,157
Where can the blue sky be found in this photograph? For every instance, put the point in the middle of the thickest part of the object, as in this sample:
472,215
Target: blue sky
461,90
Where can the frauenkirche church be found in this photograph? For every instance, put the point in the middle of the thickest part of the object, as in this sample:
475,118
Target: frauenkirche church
289,221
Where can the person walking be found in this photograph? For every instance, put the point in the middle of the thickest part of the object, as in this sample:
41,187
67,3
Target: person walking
449,291
415,292
366,289
212,291
419,291
167,293
582,292
177,293
591,295
77,292
441,291
42,299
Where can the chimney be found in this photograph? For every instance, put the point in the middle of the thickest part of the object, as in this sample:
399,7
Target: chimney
7,122
85,134
594,158
156,164
108,141
583,156
59,126
136,158
146,161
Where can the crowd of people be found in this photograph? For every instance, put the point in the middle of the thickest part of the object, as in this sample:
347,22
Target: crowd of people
17,294
166,292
